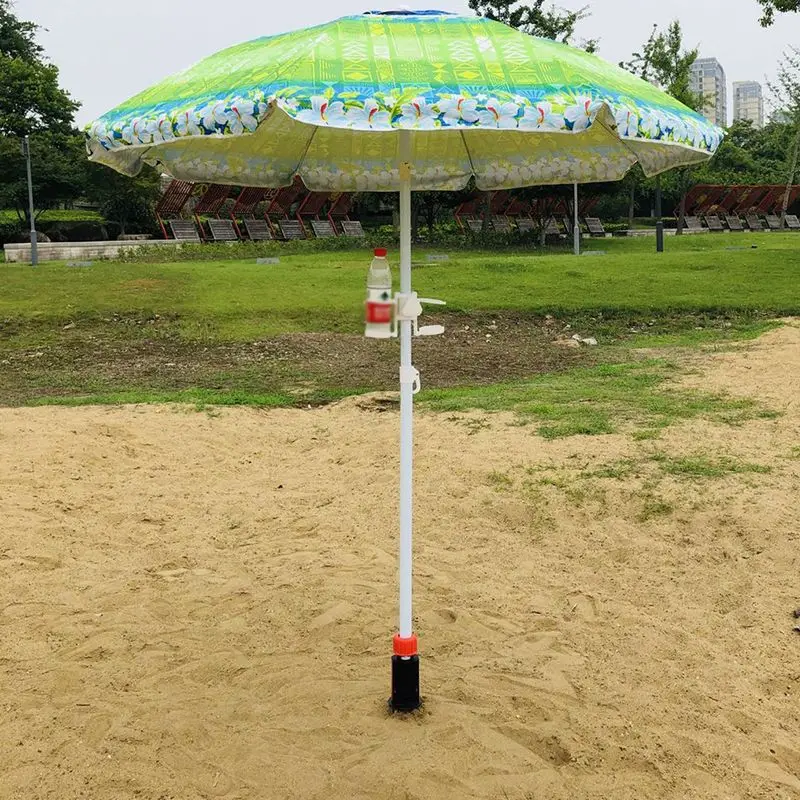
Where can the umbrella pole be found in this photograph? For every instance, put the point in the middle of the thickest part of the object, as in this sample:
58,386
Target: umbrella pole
405,661
576,225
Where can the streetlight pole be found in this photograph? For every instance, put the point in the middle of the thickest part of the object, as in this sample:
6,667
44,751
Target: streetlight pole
659,220
26,151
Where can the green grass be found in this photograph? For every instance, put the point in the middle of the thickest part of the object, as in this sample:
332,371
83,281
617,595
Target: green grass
240,300
55,215
596,400
702,466
86,322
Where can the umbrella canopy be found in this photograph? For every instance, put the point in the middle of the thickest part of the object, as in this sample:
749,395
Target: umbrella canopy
481,98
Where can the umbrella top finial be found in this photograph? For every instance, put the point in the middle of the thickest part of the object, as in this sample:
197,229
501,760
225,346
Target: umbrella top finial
407,11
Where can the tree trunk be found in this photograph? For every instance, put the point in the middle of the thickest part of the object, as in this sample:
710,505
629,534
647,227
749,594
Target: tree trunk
414,219
487,212
632,206
681,216
787,194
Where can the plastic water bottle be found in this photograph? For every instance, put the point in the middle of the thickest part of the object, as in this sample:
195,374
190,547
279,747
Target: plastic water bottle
379,305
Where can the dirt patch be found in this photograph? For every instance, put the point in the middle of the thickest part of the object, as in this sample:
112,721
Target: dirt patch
125,354
201,605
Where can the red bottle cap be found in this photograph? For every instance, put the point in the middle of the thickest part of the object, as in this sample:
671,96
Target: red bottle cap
381,252
406,648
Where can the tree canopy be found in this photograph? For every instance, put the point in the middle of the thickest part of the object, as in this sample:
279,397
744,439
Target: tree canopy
31,99
663,60
771,7
533,18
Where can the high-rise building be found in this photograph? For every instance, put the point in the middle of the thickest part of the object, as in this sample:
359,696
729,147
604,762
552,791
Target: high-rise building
708,81
748,102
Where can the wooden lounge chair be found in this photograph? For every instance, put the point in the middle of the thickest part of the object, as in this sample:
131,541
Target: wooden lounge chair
222,230
774,222
501,224
352,227
693,223
733,222
258,230
753,222
525,225
714,223
595,226
292,229
551,227
184,231
322,228
792,222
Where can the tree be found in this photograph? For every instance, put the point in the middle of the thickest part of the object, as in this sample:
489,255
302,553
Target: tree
531,17
58,175
30,98
772,6
786,90
33,104
664,62
129,202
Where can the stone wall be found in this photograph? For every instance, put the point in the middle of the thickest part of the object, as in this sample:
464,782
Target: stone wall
79,251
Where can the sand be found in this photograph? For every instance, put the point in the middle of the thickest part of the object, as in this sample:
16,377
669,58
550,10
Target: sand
200,605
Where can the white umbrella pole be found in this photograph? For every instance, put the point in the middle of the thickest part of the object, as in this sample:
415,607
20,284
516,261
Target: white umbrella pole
576,226
405,662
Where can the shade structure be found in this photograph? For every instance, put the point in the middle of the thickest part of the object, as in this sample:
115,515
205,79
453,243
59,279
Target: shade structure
402,101
326,103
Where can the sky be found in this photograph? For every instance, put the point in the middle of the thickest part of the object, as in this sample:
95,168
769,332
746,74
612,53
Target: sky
109,51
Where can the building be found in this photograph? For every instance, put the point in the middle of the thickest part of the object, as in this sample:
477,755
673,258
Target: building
748,102
708,80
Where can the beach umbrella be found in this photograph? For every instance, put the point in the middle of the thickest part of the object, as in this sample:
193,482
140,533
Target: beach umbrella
395,101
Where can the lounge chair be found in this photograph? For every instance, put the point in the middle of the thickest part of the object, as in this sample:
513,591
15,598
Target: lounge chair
501,224
292,229
792,222
595,226
753,222
733,222
475,225
323,229
525,225
222,230
774,222
352,228
258,230
714,223
551,227
184,231
693,224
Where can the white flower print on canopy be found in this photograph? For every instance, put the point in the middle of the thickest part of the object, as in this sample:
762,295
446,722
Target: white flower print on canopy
541,117
457,108
418,114
242,117
188,124
499,115
627,122
370,117
582,113
323,112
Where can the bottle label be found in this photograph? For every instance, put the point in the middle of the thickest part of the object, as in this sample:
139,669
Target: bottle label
379,312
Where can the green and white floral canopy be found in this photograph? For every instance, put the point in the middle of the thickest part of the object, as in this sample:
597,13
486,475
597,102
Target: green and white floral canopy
482,99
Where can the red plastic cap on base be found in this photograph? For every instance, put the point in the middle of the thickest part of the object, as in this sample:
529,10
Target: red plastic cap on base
381,252
406,648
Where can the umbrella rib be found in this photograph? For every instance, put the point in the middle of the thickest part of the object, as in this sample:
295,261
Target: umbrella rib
469,155
308,147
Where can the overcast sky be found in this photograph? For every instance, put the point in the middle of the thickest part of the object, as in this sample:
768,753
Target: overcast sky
108,50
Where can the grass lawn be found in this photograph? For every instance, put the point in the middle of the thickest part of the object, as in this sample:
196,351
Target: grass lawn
239,332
